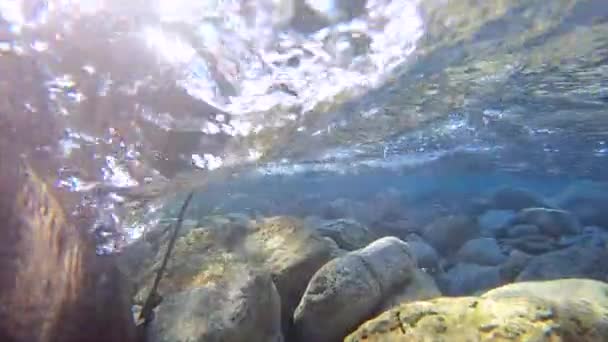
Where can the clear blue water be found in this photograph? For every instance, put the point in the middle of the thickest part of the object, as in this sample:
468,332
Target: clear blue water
293,100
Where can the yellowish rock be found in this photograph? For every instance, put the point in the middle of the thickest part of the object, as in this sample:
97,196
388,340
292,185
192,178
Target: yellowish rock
562,310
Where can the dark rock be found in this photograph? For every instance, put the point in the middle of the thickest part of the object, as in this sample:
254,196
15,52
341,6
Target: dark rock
551,222
348,234
515,263
481,251
585,260
533,244
520,230
588,201
340,208
425,254
466,279
492,221
516,199
448,234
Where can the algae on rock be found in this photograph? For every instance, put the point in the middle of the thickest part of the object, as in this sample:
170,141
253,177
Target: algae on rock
569,310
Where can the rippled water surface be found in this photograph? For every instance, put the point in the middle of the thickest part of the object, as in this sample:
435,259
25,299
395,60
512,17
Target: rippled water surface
120,101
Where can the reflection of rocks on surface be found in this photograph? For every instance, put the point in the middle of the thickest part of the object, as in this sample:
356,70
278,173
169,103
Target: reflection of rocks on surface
563,310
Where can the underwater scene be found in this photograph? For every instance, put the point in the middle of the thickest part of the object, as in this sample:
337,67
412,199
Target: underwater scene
303,170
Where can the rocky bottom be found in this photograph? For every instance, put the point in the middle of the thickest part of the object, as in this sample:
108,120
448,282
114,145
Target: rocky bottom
511,266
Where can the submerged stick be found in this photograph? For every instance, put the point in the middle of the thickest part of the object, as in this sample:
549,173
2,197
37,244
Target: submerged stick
153,297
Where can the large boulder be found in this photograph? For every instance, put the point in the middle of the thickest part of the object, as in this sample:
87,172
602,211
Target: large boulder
348,234
481,251
574,310
283,247
348,290
292,252
448,234
551,222
583,260
244,304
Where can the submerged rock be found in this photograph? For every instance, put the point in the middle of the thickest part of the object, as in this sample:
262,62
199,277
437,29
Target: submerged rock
448,234
425,254
243,305
285,248
516,199
292,252
466,279
348,290
586,200
520,230
583,260
481,251
551,222
348,234
532,244
422,286
346,208
569,310
492,221
516,263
